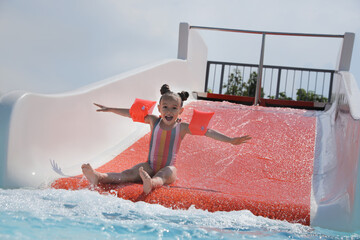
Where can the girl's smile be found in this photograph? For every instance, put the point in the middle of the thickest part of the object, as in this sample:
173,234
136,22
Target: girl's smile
169,118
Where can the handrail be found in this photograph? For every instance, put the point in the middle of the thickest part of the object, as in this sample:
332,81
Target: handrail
275,79
274,66
264,33
268,33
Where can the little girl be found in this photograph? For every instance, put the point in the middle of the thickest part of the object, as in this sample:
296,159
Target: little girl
158,169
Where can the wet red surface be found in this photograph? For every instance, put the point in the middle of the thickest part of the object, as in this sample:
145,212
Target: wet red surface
270,175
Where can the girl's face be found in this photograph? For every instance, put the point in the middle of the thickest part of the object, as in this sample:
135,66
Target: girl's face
170,109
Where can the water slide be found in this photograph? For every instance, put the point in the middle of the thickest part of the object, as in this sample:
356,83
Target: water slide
300,166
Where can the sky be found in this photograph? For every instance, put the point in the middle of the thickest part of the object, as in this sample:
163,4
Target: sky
51,46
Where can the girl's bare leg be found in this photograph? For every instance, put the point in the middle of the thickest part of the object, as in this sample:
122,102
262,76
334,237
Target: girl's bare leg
166,175
91,175
129,175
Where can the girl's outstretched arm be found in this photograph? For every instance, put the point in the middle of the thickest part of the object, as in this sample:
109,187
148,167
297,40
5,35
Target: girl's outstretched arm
216,135
120,111
221,137
150,119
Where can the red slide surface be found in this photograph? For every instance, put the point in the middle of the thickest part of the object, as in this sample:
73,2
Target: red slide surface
270,176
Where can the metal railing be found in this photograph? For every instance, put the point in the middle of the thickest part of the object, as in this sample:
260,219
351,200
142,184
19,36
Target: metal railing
260,67
269,33
278,82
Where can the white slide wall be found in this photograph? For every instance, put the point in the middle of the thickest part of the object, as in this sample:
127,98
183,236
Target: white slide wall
66,128
336,198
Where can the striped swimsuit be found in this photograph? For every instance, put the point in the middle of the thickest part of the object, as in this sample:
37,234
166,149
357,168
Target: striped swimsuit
164,146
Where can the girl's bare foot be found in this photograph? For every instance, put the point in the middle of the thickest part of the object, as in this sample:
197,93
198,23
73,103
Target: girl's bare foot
147,183
92,175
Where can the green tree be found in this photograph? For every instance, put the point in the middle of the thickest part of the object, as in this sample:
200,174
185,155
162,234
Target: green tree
250,88
236,86
282,96
302,95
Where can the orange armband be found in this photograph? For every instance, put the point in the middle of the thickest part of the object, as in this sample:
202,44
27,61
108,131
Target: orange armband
140,109
199,122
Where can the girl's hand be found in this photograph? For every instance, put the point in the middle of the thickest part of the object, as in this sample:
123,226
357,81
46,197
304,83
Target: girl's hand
240,140
102,108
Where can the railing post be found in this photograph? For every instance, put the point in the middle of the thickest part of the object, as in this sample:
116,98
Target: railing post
260,70
207,77
346,52
222,78
278,84
183,41
331,86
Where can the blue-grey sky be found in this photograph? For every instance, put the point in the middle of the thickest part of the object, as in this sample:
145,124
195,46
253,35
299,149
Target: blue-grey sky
51,46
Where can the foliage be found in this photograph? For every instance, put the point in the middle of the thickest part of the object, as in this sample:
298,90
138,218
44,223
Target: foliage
302,95
236,86
282,96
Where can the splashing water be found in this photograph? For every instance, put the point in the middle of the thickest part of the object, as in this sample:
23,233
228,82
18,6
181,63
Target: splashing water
61,214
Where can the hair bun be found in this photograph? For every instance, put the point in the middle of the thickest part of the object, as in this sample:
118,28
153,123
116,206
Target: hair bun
184,95
164,89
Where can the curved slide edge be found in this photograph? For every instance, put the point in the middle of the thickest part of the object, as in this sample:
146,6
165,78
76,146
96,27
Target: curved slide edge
40,132
336,191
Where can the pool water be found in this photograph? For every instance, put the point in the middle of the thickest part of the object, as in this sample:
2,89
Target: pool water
85,214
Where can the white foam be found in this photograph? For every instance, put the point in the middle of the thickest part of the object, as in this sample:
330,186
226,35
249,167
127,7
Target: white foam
37,214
